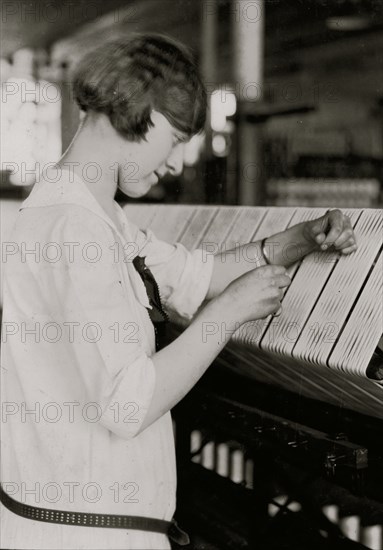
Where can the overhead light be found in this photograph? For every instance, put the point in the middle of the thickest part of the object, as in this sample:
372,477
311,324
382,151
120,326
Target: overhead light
348,23
223,105
220,145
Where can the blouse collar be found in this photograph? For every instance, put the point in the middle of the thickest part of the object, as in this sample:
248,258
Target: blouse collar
70,189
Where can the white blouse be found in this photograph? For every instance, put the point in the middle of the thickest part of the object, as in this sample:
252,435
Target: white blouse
76,369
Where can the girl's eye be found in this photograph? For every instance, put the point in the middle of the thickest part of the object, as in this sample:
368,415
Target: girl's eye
179,139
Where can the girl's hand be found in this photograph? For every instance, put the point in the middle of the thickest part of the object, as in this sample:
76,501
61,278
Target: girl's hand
255,294
332,229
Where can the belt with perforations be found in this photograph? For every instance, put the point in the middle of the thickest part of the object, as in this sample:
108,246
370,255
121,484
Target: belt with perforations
111,521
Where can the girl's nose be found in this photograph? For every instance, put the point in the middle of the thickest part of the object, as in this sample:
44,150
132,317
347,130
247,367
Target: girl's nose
175,160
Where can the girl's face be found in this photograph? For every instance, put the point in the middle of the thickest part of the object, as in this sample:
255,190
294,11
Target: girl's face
144,163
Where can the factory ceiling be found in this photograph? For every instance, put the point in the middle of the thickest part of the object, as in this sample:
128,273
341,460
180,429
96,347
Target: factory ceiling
290,25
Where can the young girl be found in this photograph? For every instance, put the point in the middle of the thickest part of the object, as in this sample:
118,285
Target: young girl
86,427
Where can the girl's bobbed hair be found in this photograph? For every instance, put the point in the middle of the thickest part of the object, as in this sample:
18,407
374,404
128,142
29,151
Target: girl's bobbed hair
127,78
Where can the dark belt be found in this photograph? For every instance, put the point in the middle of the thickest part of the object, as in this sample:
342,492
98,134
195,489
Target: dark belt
111,521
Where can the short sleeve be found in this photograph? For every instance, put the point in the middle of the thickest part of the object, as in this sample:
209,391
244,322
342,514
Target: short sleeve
183,277
113,362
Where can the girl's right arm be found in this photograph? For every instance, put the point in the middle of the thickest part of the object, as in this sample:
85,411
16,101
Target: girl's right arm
181,364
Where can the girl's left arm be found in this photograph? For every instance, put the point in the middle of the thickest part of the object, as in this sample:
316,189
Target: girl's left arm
331,230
